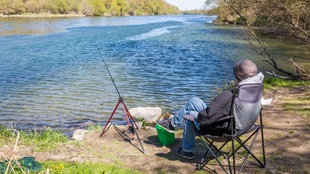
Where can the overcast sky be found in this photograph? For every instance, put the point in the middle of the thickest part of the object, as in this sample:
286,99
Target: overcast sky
187,4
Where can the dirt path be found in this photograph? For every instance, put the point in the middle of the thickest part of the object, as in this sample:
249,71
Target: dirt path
286,134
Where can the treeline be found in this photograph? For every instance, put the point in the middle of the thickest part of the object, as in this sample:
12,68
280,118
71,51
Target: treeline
87,7
290,18
201,12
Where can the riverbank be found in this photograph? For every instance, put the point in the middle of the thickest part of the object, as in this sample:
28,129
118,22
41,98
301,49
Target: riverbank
43,15
287,138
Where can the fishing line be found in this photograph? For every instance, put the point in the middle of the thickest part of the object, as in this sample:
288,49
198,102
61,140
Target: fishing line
107,68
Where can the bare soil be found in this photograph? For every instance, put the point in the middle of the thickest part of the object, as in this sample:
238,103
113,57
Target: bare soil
287,143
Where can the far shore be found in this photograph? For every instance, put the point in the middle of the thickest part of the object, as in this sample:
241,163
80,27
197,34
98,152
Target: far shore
44,15
57,15
50,15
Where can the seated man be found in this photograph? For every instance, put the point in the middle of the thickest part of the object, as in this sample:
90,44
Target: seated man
205,116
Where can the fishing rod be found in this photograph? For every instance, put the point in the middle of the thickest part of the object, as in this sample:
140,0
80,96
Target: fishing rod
132,126
106,66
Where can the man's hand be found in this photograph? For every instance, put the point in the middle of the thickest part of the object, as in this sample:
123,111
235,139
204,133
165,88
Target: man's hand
189,117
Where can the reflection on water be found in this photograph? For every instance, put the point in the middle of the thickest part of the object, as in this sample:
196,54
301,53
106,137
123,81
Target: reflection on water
52,74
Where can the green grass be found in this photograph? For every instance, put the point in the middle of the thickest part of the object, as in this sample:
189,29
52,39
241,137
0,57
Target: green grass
42,140
272,82
59,167
298,104
47,140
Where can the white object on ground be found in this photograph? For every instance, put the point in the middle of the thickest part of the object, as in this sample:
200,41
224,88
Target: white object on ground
266,101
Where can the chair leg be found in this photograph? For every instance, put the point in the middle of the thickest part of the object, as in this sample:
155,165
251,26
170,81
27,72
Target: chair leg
249,152
234,156
209,145
232,162
202,162
263,147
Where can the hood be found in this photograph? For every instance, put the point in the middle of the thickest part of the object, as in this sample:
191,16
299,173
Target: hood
258,78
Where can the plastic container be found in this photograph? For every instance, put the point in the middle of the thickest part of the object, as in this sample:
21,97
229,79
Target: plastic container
165,137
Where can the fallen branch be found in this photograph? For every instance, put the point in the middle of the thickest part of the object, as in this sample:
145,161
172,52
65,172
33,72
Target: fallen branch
276,75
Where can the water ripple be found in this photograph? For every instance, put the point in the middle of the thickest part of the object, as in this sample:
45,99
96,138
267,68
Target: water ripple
59,80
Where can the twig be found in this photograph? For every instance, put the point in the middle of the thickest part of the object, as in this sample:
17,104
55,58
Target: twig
297,66
11,157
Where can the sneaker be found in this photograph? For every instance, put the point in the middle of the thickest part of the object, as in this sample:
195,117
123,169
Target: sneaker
187,155
166,123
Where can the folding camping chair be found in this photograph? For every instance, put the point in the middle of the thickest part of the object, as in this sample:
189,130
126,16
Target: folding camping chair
215,144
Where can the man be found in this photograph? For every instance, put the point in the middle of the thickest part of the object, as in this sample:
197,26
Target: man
206,117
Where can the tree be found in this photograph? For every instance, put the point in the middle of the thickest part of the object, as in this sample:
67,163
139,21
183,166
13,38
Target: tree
86,7
258,46
115,10
123,6
62,6
99,7
290,18
9,7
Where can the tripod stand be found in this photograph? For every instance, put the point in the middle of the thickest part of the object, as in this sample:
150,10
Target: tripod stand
132,126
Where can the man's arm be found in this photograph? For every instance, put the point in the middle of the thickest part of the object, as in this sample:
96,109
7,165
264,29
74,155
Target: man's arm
217,109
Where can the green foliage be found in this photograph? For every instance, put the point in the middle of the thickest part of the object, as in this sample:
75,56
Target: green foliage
122,5
99,7
62,6
4,132
114,9
88,7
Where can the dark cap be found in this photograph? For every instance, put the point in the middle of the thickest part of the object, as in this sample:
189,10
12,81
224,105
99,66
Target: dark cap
244,69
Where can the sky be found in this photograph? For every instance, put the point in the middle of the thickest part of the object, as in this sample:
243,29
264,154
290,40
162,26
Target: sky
187,4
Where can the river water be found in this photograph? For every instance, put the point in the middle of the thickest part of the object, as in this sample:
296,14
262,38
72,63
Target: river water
52,74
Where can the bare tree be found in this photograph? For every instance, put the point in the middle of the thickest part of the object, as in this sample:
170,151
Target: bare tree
259,47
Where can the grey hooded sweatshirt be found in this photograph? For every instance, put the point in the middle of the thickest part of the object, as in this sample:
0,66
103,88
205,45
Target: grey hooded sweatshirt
246,108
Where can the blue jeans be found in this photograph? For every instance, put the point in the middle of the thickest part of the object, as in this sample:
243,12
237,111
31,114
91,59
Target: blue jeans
192,107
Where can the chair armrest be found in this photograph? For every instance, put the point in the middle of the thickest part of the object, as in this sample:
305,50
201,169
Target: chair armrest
225,118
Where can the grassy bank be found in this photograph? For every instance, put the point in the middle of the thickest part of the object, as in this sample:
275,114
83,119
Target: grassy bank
43,15
298,104
45,141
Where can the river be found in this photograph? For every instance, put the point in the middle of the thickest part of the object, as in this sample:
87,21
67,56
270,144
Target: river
52,75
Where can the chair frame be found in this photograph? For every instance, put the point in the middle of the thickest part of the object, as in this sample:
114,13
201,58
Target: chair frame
209,141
